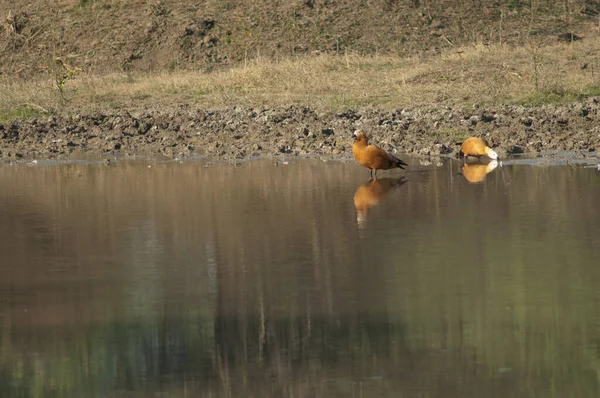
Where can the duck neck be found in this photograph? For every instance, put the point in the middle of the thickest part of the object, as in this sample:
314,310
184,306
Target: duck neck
360,144
490,153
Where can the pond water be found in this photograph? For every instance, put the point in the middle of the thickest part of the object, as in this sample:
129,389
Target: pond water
299,279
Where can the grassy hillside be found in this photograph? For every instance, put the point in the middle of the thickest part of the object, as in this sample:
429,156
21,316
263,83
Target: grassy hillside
82,55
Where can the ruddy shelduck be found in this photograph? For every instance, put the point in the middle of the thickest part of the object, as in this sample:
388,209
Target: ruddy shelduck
477,147
475,173
370,194
373,157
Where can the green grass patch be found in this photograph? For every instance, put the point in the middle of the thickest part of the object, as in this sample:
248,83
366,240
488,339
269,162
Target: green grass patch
21,113
556,95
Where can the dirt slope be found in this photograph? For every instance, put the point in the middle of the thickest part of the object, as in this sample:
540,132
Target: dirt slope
107,35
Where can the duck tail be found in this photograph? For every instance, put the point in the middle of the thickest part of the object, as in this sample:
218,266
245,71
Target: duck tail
400,163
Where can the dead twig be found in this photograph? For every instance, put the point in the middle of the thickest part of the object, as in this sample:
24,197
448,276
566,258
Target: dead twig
44,110
12,22
32,36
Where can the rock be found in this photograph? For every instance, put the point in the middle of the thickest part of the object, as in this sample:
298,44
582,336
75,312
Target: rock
514,149
568,37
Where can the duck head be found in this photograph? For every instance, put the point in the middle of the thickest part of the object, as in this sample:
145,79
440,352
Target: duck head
360,135
491,153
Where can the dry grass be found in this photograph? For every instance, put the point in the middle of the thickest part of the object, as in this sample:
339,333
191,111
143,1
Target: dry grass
476,74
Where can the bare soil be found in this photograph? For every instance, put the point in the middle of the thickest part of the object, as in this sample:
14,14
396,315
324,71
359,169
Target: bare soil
151,35
241,133
101,37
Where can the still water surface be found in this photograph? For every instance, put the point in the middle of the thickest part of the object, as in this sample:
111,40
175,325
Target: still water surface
299,280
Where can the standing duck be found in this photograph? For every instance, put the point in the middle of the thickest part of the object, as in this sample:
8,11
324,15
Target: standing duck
373,157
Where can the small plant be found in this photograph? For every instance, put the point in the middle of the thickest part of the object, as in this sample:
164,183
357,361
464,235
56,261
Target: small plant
62,73
159,9
534,49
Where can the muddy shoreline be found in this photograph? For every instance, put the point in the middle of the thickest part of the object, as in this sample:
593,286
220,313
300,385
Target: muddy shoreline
243,133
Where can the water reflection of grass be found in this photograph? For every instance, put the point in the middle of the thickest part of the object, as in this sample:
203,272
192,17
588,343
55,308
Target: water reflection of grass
520,294
444,305
105,359
344,356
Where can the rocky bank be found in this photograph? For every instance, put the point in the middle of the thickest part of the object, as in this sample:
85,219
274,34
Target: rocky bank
243,133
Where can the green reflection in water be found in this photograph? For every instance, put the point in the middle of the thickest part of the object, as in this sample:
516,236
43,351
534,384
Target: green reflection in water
259,281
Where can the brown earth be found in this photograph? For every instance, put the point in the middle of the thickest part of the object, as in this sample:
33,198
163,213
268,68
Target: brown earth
101,36
137,35
241,133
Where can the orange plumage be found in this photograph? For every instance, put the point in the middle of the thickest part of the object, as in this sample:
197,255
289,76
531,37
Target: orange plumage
477,147
475,173
370,194
373,157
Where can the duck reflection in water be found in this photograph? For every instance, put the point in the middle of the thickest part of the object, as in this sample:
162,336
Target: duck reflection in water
370,194
476,172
